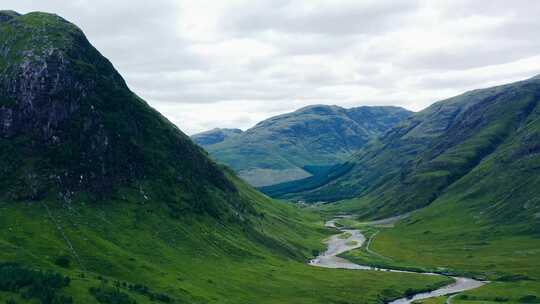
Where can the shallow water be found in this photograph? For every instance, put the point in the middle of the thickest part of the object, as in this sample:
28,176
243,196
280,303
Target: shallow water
337,245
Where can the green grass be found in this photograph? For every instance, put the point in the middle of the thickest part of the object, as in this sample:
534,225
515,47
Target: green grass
471,164
437,300
446,238
192,259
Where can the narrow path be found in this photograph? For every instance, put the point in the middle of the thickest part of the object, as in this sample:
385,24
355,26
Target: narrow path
337,245
64,236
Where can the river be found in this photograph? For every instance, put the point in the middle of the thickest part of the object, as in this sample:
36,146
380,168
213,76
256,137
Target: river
338,244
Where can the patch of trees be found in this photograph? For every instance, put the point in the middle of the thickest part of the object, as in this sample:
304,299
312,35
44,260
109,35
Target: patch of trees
145,291
114,295
63,261
513,278
110,295
529,299
34,284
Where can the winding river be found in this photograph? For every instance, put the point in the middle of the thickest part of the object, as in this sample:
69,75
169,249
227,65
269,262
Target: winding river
338,244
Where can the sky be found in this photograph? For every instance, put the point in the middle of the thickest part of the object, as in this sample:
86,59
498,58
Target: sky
233,63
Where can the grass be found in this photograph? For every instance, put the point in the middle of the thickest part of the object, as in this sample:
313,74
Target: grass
485,221
437,300
446,238
136,243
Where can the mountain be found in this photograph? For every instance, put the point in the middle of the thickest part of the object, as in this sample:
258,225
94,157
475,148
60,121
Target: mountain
103,200
480,146
302,143
215,136
470,168
69,124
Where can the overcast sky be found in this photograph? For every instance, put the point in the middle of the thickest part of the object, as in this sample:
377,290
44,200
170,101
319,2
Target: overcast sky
218,63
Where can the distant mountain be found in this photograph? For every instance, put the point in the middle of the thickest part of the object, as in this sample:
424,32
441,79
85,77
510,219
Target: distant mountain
481,147
215,136
298,144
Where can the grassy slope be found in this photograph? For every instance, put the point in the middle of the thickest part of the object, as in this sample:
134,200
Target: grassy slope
124,195
446,237
193,258
486,224
419,160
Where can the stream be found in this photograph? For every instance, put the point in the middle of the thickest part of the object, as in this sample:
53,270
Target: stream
338,244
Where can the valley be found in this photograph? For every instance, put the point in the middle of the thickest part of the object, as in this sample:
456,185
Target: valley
508,262
350,239
105,200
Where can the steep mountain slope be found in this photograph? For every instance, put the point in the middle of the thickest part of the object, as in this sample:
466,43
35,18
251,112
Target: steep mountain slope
70,124
102,200
474,138
298,144
215,136
472,166
486,223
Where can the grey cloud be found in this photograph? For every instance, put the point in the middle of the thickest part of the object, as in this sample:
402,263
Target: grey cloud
483,54
330,17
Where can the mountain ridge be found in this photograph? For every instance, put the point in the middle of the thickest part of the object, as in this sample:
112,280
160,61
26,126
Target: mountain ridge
104,200
283,147
214,136
421,159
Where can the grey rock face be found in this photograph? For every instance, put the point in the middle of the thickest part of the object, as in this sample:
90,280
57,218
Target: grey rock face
41,96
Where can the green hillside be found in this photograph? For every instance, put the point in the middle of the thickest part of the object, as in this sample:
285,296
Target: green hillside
470,167
484,143
102,200
286,147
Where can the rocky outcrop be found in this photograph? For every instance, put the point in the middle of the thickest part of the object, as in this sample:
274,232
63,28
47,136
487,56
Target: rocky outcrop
70,124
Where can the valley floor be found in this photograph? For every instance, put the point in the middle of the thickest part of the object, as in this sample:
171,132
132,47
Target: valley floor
432,243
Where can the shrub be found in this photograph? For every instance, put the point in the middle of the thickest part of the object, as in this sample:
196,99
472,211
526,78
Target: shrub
109,295
501,299
154,296
409,293
529,299
33,284
513,278
63,261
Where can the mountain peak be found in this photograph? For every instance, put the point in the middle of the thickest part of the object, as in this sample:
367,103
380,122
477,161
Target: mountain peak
69,123
7,15
281,148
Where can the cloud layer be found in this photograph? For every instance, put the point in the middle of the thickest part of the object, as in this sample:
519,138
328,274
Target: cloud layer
207,64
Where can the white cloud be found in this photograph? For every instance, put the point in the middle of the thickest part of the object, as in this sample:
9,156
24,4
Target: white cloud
231,63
